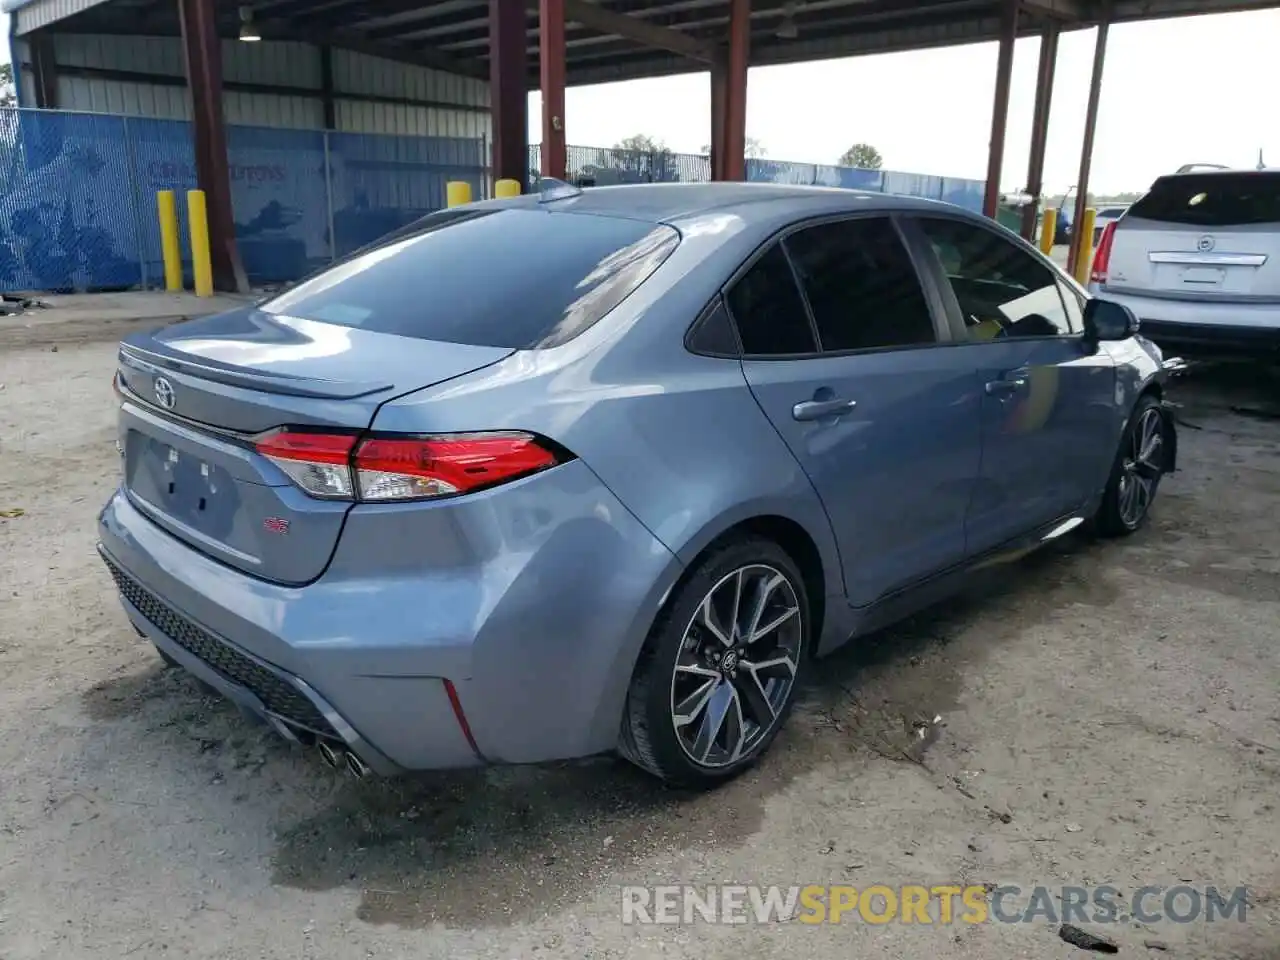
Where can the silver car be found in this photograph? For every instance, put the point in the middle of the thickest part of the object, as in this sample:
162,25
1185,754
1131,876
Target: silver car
606,470
1198,260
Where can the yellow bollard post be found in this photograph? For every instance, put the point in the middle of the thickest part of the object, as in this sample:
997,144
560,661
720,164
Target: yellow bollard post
201,262
170,248
457,192
1048,227
1084,245
506,188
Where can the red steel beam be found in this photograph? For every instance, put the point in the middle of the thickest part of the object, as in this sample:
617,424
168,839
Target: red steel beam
1040,127
1078,242
508,85
719,108
734,164
552,54
1000,107
203,51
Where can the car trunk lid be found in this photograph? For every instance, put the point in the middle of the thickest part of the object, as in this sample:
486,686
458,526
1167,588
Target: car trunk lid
195,395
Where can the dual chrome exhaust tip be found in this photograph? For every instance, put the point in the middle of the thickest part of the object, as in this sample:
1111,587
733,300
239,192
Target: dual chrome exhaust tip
338,757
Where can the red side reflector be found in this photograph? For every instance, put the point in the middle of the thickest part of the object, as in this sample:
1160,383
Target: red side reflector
462,717
332,448
1102,256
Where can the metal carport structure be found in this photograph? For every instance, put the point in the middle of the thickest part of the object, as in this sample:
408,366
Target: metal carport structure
519,45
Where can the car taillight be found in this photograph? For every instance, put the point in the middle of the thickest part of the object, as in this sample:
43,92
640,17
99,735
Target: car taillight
1102,256
319,463
383,469
412,468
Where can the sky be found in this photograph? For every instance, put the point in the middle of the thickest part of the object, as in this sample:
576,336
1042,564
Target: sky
1196,89
1192,90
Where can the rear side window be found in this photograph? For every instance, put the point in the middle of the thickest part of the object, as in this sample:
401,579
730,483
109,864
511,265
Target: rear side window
861,284
1213,199
766,306
499,278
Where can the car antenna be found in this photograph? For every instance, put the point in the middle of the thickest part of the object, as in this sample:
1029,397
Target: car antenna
550,189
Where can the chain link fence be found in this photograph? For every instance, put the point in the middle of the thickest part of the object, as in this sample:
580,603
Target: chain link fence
602,166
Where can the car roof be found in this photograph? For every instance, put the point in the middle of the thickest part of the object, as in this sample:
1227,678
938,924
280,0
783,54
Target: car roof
670,202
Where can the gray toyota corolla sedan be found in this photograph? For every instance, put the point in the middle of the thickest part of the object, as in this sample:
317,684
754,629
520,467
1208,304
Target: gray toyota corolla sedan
603,470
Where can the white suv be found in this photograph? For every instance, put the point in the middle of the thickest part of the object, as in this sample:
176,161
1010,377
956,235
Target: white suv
1198,260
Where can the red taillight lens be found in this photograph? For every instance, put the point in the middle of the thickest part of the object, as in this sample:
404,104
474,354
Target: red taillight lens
412,468
1102,256
333,466
319,463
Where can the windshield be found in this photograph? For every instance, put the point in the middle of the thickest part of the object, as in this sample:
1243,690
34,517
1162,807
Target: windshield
518,278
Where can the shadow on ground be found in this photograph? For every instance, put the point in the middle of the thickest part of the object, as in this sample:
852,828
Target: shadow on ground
493,847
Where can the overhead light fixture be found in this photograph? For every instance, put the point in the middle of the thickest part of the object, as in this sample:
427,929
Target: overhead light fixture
248,32
787,29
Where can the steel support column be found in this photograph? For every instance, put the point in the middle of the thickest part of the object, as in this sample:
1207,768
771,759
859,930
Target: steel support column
326,88
552,54
1081,244
719,110
508,86
734,164
1000,108
1040,128
44,70
203,50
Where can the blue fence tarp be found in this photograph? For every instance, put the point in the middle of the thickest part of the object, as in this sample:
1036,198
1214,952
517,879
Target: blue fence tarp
78,207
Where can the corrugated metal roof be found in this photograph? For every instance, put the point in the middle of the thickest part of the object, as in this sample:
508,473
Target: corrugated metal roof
31,15
452,36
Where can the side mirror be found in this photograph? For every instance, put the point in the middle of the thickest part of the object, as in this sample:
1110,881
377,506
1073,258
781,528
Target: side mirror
1107,320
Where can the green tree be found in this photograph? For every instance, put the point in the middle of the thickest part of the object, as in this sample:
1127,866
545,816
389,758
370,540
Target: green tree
645,155
8,98
641,143
862,155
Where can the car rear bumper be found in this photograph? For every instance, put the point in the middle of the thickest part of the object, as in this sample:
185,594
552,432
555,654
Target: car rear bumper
1197,326
528,604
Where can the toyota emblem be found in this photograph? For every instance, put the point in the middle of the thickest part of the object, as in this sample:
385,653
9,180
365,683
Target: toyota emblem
164,393
1204,244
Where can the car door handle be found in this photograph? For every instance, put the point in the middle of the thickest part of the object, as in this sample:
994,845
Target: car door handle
821,409
997,387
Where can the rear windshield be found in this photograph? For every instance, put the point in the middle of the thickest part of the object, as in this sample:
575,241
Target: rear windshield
1213,199
515,278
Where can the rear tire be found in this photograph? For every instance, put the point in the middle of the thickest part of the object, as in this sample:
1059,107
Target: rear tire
719,671
1135,476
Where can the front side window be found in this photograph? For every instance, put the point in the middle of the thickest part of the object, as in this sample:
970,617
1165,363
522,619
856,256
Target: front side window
1002,290
767,308
861,286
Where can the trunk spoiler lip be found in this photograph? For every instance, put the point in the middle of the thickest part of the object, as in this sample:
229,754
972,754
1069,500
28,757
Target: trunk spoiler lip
154,360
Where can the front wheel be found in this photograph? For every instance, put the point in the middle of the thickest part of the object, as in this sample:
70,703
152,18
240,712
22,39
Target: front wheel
1135,476
718,673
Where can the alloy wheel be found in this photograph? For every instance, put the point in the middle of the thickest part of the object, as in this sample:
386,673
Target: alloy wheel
1142,467
736,666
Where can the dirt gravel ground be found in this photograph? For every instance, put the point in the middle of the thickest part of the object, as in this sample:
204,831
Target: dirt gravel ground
1109,714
